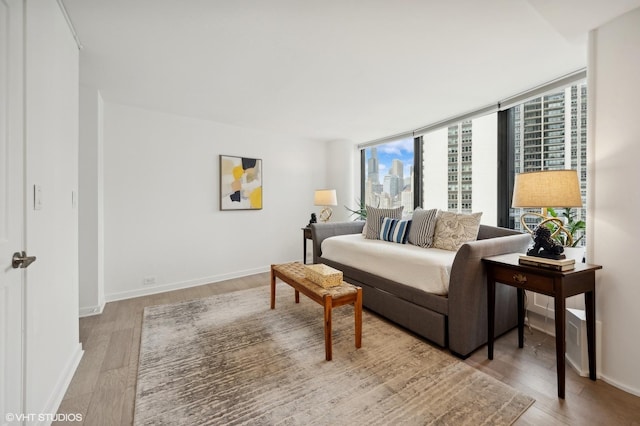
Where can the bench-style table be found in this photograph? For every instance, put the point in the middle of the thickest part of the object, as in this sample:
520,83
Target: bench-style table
343,294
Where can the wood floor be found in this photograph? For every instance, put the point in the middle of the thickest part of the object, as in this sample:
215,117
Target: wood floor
103,387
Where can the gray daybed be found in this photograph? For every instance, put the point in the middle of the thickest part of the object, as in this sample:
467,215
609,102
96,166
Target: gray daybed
457,320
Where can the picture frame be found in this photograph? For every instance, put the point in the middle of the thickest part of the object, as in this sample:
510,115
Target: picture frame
240,183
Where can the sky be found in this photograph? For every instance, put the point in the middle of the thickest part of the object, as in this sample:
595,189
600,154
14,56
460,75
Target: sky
401,150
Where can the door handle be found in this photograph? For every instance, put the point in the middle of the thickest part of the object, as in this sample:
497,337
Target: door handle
21,260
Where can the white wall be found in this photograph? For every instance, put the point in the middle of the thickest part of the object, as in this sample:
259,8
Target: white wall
161,208
52,342
90,205
614,194
341,169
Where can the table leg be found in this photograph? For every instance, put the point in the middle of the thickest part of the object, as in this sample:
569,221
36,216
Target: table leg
297,296
357,307
560,314
520,318
327,326
590,306
304,248
273,288
491,313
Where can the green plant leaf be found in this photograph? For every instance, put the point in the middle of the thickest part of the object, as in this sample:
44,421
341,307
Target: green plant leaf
572,225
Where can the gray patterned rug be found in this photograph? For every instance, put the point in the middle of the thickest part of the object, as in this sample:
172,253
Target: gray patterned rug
229,359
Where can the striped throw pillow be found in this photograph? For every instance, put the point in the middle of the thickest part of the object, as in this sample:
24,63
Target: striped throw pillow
394,230
423,227
374,220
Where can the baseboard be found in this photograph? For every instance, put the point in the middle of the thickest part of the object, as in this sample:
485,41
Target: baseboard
615,383
91,310
57,395
112,297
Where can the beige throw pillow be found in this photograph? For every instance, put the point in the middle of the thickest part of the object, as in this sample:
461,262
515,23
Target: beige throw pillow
455,229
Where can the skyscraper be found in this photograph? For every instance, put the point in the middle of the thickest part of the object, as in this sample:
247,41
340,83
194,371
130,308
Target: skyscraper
393,185
397,168
550,133
460,185
373,167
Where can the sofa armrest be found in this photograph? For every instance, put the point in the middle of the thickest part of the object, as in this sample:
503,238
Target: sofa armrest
321,231
468,293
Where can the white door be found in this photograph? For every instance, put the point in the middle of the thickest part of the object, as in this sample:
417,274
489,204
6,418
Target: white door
12,205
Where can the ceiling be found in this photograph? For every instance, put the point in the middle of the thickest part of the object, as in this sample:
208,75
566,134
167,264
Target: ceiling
333,69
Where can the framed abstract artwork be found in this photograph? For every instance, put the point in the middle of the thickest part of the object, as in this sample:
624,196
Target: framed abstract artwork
240,183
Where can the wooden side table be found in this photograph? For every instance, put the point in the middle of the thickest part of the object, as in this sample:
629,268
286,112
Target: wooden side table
306,235
557,284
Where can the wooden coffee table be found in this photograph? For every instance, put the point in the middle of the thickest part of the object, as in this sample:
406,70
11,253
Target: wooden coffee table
344,294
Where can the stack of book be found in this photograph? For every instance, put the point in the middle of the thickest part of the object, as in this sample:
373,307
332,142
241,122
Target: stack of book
543,262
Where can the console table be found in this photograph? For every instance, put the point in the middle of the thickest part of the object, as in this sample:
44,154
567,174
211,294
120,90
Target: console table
557,284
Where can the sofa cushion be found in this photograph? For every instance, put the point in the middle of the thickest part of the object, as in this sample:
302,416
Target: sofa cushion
422,227
455,229
374,220
395,230
424,269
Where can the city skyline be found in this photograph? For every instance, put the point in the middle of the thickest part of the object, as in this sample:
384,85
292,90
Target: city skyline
389,171
398,150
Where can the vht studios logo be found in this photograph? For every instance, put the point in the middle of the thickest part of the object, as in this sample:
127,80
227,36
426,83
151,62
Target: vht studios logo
43,417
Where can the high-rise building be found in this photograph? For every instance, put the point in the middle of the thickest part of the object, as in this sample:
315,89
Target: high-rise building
550,133
460,185
373,167
397,168
393,185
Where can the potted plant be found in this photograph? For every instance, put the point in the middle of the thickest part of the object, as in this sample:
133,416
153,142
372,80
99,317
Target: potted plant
360,212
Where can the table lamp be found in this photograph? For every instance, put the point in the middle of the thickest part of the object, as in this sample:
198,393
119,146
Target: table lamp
325,198
549,188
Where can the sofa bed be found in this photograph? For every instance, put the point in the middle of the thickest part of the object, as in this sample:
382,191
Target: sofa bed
439,294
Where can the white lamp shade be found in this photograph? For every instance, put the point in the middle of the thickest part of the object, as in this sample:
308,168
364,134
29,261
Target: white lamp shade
325,197
550,188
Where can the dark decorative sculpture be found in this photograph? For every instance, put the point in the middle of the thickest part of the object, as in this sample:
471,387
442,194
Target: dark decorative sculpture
313,219
544,245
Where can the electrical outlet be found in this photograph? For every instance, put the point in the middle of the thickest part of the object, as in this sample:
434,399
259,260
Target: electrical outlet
148,280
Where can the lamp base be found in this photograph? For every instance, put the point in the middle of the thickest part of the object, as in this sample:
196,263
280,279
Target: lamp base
558,224
325,214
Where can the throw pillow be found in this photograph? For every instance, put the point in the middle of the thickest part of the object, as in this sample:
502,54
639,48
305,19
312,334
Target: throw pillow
374,220
422,227
455,229
395,230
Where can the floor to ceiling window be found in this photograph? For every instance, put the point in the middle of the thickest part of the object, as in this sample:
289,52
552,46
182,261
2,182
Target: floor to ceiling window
388,178
459,167
468,165
550,133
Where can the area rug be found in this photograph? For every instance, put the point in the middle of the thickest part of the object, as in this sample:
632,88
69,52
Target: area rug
230,359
